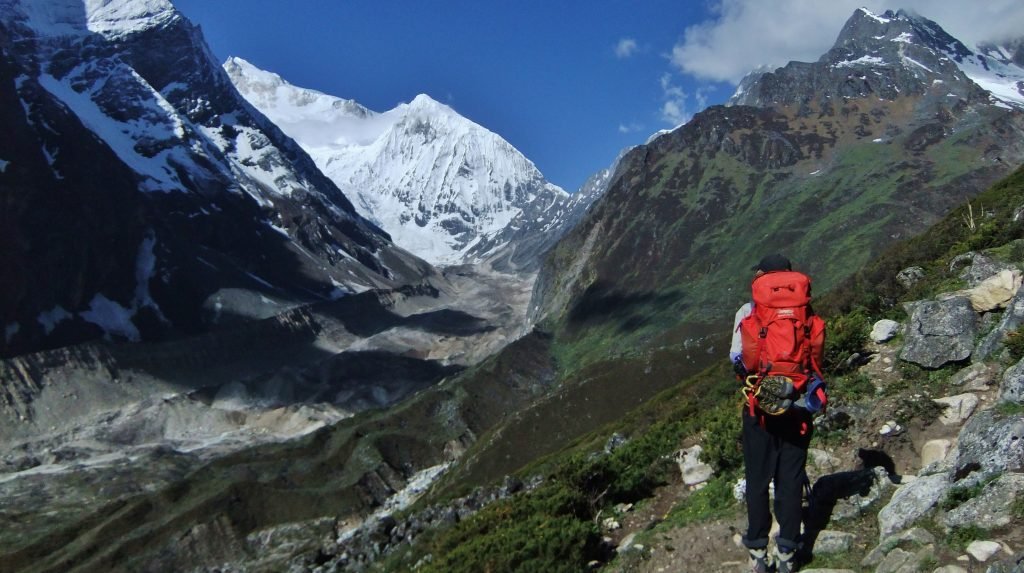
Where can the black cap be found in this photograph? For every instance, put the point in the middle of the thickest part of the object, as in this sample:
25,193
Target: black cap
773,263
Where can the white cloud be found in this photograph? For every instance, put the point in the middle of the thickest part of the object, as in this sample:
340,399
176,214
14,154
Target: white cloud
744,34
632,127
673,109
625,48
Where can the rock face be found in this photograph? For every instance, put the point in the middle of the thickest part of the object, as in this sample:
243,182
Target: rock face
990,443
1012,319
989,509
939,332
139,184
1012,387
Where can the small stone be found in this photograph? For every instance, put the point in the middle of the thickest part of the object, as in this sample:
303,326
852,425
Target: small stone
983,550
884,330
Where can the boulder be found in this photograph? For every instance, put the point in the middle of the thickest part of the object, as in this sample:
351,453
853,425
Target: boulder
1011,389
978,267
913,538
939,332
935,451
884,330
910,276
912,502
983,550
976,377
1012,319
951,569
996,291
694,471
990,509
830,542
990,443
957,408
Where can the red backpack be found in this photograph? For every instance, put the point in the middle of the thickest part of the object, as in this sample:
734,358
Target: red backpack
782,336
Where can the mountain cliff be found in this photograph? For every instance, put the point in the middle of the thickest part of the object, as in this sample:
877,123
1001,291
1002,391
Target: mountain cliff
444,187
144,196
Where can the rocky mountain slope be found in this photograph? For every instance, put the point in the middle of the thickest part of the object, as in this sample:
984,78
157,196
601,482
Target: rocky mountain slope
145,197
445,188
838,158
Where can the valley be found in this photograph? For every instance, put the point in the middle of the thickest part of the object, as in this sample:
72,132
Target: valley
257,327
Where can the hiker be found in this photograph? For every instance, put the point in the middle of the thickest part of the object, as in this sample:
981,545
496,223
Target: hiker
777,349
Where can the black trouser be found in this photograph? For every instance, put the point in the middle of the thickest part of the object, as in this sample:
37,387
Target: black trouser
777,450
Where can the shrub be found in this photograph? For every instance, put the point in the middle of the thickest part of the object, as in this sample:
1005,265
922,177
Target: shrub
851,388
959,538
847,334
721,442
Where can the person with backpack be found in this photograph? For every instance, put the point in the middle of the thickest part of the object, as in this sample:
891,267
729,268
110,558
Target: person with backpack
777,350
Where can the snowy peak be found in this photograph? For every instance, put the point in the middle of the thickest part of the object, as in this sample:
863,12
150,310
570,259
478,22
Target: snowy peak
109,18
889,56
434,180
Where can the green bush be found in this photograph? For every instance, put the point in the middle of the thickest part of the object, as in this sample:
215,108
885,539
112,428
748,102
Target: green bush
846,334
851,388
721,442
959,538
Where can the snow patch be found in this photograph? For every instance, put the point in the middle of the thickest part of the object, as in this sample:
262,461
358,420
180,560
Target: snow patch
861,61
3,165
874,16
51,318
111,317
905,38
121,137
908,59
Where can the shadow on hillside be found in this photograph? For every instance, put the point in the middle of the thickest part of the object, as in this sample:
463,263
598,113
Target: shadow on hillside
600,302
830,489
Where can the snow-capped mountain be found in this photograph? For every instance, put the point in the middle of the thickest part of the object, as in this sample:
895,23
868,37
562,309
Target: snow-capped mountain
888,55
434,180
144,195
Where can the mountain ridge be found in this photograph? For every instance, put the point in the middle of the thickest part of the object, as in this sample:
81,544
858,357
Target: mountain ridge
437,182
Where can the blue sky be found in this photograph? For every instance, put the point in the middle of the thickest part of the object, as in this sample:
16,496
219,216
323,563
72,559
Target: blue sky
569,83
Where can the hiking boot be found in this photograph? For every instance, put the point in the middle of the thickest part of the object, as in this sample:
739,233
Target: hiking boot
784,562
758,561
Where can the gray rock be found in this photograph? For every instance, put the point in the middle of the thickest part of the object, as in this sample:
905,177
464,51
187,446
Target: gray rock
1011,389
817,570
912,502
897,560
1012,319
884,330
914,537
950,569
910,276
990,443
939,332
990,509
692,469
830,542
983,550
957,408
977,376
978,267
